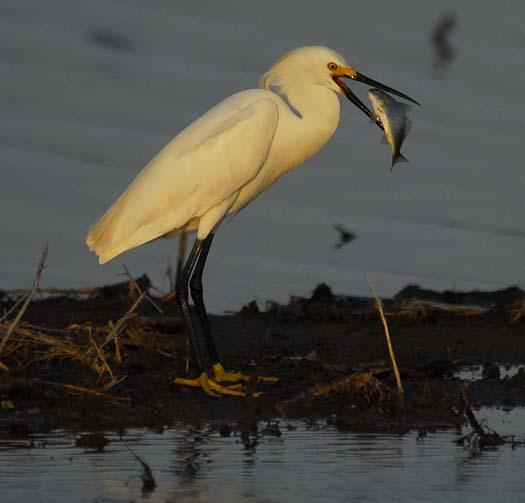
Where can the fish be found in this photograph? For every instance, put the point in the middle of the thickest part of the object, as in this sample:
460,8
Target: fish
396,124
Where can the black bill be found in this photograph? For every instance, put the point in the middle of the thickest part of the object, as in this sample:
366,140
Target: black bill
357,102
359,77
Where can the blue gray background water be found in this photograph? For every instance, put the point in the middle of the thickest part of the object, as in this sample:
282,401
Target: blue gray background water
90,91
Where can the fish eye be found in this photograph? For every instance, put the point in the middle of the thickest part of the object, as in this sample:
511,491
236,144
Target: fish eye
332,66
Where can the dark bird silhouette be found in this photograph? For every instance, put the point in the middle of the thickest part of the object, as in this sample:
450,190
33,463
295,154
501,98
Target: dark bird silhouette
345,236
444,52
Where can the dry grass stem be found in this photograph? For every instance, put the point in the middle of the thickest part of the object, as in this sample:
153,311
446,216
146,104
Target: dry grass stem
443,306
78,390
122,322
8,313
133,284
102,358
118,355
517,311
379,305
29,296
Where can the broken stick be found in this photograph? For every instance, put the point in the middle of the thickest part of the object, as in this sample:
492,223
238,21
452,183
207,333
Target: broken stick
395,369
29,296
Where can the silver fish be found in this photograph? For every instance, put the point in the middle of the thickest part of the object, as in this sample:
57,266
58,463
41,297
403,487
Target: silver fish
396,124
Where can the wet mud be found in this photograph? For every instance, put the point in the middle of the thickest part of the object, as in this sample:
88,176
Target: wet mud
108,358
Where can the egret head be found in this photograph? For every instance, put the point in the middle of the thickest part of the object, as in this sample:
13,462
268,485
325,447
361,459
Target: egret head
321,66
304,65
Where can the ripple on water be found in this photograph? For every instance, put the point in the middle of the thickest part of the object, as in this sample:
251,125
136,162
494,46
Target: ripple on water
302,465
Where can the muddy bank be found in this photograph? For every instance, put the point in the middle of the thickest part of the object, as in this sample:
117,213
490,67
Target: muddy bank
108,358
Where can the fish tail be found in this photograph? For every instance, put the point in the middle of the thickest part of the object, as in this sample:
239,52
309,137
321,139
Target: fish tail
399,157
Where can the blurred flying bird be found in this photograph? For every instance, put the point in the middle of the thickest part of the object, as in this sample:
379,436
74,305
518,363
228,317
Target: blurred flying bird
444,52
218,165
345,236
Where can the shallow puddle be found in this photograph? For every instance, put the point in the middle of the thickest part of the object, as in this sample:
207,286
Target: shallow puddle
476,372
306,463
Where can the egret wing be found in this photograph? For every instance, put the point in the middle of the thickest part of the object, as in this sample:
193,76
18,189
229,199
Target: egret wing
200,169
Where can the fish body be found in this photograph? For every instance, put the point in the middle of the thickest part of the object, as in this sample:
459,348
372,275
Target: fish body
392,115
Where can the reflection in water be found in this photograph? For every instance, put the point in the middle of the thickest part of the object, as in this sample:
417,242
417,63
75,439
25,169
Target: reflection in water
304,464
189,455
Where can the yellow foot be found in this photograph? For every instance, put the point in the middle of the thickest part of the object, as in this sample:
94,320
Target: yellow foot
211,387
222,376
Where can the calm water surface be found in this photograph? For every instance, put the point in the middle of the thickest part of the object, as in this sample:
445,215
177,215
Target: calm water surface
90,91
300,466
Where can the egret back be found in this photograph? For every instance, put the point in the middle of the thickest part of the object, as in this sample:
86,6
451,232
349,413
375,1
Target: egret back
194,178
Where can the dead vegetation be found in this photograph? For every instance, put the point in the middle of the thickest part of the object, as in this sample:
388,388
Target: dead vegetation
91,352
95,347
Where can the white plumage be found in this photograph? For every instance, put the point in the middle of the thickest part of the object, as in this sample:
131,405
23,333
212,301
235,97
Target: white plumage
222,161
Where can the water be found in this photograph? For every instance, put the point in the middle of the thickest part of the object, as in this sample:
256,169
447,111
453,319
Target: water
475,372
89,91
300,466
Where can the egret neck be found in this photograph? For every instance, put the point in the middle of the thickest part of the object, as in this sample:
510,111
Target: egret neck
309,114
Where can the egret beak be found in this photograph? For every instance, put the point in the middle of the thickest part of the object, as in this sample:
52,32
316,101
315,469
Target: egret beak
345,72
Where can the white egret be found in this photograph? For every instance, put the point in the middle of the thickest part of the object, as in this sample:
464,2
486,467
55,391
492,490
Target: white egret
219,164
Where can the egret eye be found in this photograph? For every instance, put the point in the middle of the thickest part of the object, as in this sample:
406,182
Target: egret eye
332,66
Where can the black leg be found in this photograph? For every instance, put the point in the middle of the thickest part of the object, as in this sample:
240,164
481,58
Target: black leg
181,289
197,296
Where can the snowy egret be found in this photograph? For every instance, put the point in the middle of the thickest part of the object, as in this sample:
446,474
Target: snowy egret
219,164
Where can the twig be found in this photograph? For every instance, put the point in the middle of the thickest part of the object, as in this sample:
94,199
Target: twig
132,280
102,357
148,481
445,306
518,312
120,324
118,355
136,286
73,388
24,307
478,437
6,315
379,305
470,415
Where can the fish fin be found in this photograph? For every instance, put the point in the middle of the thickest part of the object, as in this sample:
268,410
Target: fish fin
384,141
398,158
406,108
408,127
